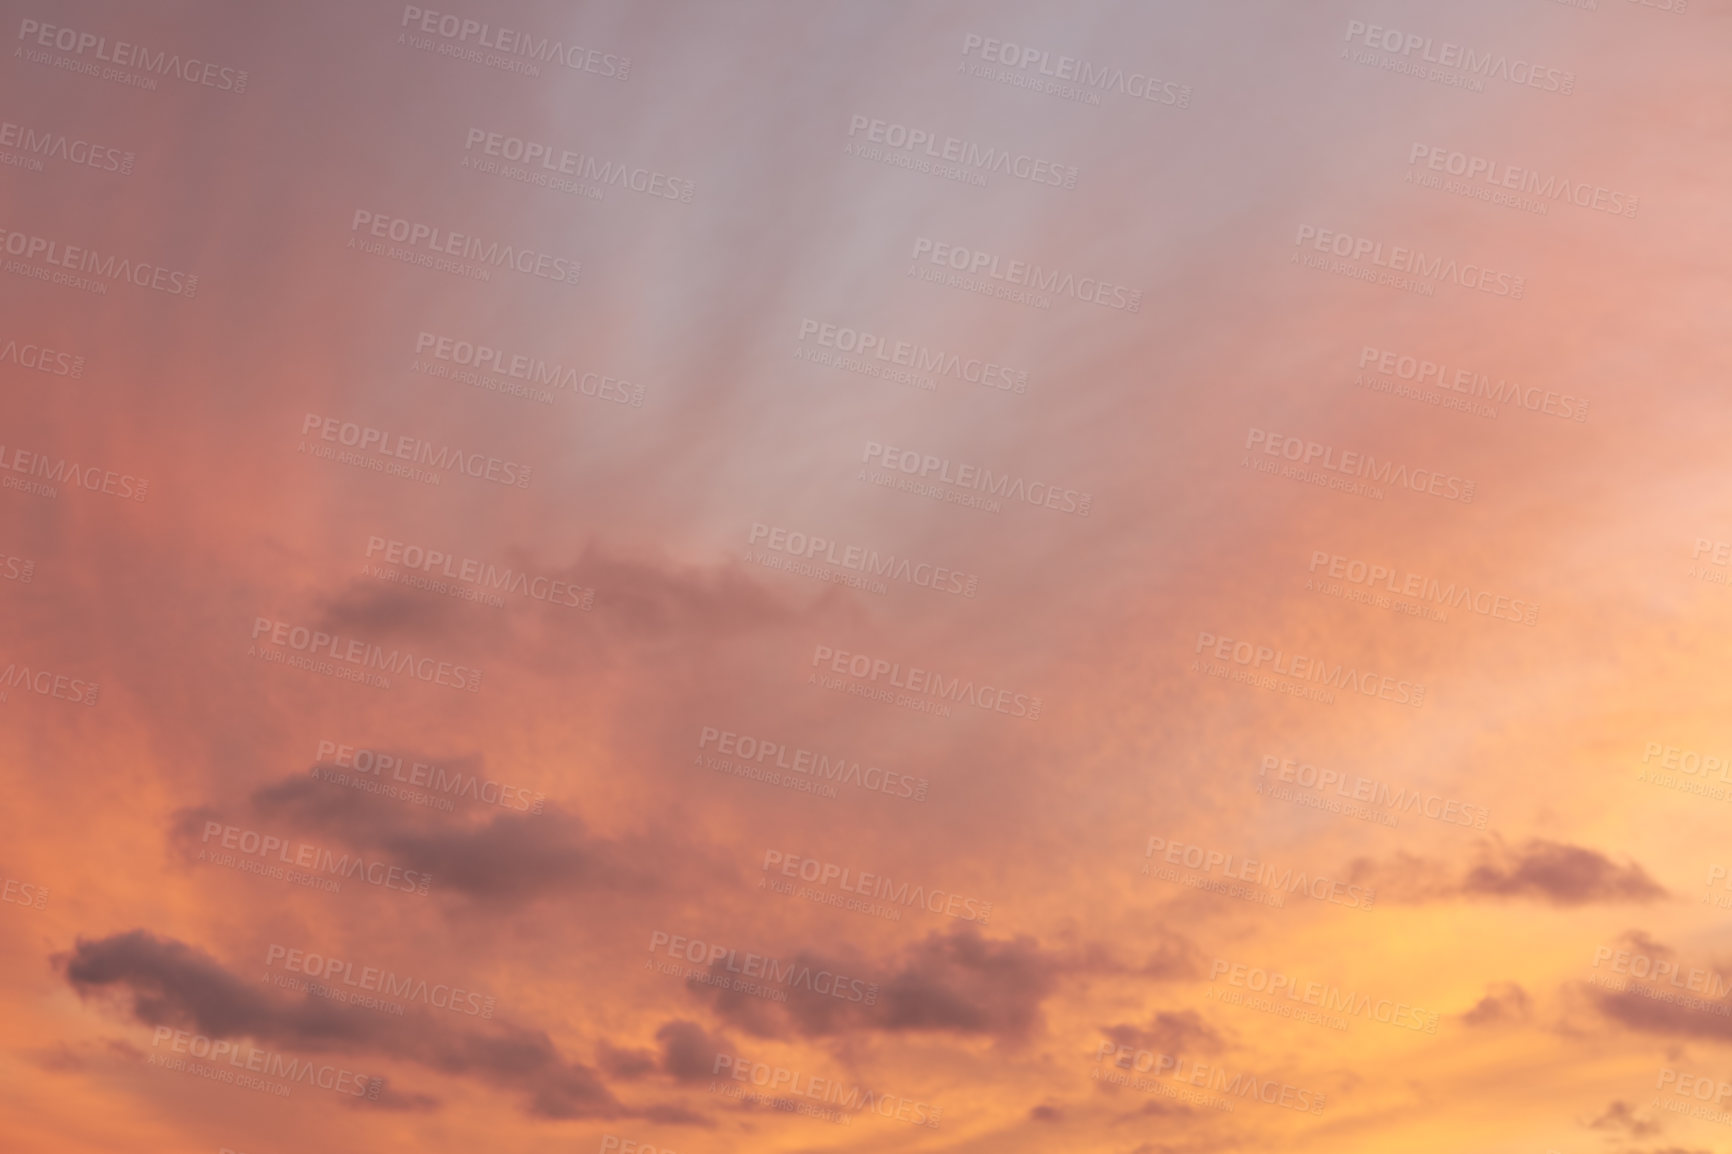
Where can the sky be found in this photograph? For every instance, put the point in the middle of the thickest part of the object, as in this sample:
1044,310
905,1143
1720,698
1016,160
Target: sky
847,577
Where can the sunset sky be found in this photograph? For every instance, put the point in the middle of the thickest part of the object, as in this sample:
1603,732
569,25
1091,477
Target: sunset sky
849,577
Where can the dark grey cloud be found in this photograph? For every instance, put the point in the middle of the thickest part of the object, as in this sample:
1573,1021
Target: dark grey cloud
163,982
501,857
959,982
1621,1118
1536,870
1169,1032
688,1051
1504,1003
1562,874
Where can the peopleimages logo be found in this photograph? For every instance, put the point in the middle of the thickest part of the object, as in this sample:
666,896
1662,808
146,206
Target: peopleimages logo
82,259
1266,875
966,153
1460,61
1307,454
467,361
48,683
23,893
788,975
864,560
866,672
1394,579
792,1085
982,271
125,55
41,358
966,476
363,654
372,979
60,471
260,846
1411,261
875,885
428,239
1188,1071
747,750
400,447
1501,177
554,162
1472,383
1311,668
434,778
1089,78
914,356
485,576
1712,983
526,50
1327,997
33,145
1375,795
269,1063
